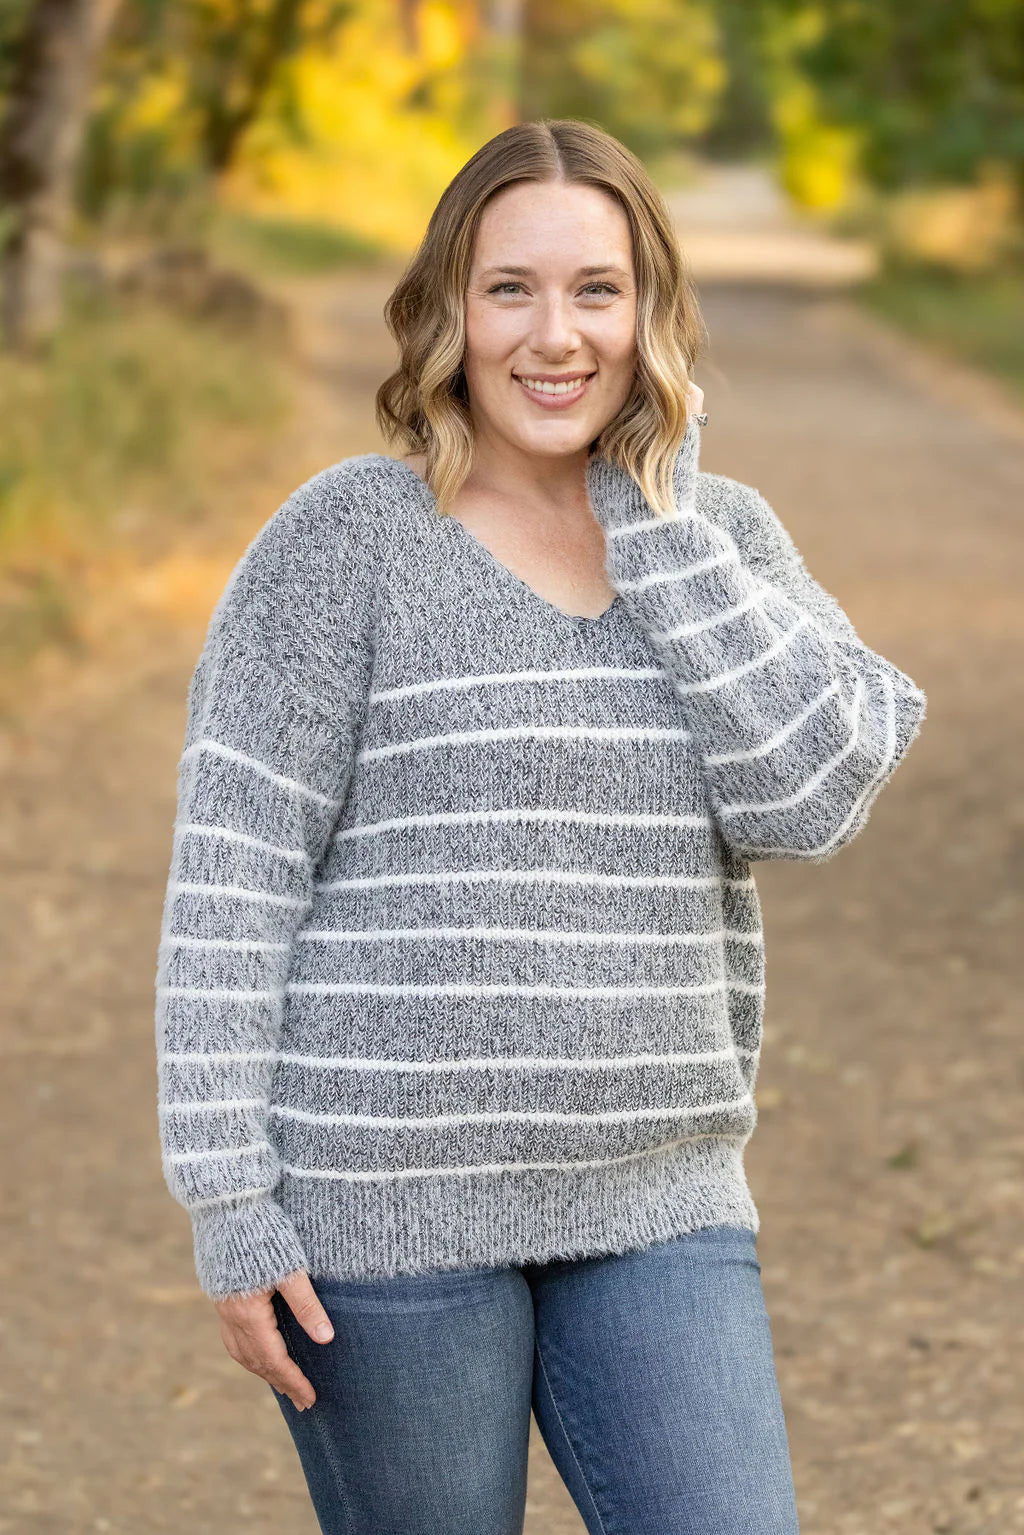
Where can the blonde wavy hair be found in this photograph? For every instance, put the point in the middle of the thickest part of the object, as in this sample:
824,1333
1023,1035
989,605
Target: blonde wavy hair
424,403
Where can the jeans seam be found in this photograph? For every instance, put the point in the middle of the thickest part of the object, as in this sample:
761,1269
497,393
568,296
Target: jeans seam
326,1443
329,1455
565,1436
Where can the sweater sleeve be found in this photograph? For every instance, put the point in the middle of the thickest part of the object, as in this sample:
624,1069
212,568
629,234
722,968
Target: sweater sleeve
274,708
797,722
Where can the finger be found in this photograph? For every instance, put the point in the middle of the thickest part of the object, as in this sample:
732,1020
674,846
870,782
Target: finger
305,1306
259,1347
289,1380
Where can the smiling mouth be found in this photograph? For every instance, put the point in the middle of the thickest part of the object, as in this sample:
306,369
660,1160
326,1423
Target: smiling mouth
550,390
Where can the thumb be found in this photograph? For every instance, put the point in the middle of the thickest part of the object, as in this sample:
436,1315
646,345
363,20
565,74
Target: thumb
305,1306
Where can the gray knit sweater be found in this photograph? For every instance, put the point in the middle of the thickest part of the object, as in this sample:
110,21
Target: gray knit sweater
461,960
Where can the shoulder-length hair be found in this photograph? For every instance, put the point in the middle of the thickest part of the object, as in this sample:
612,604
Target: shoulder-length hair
424,403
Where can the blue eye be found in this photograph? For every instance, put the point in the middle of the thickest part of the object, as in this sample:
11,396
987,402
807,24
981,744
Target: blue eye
509,283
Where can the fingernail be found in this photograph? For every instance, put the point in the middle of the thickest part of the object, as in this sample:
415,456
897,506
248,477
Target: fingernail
324,1332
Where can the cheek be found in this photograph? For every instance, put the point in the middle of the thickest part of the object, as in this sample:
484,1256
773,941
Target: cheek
619,370
490,336
615,343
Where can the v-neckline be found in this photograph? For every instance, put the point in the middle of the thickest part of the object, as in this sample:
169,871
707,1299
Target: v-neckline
489,560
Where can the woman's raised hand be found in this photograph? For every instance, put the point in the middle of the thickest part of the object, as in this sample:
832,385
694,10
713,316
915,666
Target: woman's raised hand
249,1330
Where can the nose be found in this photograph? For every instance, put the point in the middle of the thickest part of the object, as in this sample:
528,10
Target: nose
554,334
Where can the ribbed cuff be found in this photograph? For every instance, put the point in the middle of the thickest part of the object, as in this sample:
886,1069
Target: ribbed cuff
244,1247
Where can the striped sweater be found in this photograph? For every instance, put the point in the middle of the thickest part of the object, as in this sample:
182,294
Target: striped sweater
461,960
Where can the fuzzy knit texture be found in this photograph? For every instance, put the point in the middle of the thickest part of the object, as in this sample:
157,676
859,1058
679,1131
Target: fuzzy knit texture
461,960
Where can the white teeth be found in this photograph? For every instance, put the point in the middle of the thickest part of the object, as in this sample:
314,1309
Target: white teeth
542,387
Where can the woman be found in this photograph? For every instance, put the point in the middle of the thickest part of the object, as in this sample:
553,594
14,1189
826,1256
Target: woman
462,974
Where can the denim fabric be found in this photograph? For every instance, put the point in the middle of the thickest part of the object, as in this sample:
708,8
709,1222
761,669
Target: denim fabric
651,1375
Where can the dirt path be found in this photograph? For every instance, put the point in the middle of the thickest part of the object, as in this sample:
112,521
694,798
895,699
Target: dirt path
887,1161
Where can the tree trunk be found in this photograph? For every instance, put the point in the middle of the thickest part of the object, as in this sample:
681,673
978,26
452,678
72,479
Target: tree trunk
239,93
40,140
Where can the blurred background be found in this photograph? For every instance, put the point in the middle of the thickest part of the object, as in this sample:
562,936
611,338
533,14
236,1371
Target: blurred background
203,207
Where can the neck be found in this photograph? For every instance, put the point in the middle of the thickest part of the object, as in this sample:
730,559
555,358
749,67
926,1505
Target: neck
543,482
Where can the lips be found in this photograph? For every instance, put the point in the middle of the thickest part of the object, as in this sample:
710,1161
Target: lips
551,394
553,386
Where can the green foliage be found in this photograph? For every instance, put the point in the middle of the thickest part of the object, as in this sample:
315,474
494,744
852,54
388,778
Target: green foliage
289,246
181,83
111,436
930,88
115,402
12,22
741,124
649,71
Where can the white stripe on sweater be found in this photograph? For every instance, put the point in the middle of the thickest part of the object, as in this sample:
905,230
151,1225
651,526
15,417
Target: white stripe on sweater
712,760
541,876
229,1195
650,524
659,577
490,679
209,1105
237,891
291,784
217,1151
490,989
219,993
610,733
331,935
447,989
481,1116
195,828
503,934
687,631
866,795
810,784
181,940
508,1116
712,684
467,1063
526,814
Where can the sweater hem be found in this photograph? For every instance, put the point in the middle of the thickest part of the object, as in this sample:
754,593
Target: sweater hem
356,1229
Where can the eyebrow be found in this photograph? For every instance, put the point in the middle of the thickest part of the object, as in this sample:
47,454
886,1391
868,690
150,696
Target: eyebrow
528,271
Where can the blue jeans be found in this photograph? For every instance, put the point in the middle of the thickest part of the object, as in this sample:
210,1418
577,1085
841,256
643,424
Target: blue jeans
651,1375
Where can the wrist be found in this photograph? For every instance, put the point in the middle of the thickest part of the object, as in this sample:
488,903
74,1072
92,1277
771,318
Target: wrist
243,1246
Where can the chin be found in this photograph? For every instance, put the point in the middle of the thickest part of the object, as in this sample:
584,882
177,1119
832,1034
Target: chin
557,444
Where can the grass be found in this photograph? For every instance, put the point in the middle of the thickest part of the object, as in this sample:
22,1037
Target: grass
280,247
979,319
113,437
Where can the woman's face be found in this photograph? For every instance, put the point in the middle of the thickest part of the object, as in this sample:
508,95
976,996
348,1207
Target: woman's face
551,296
